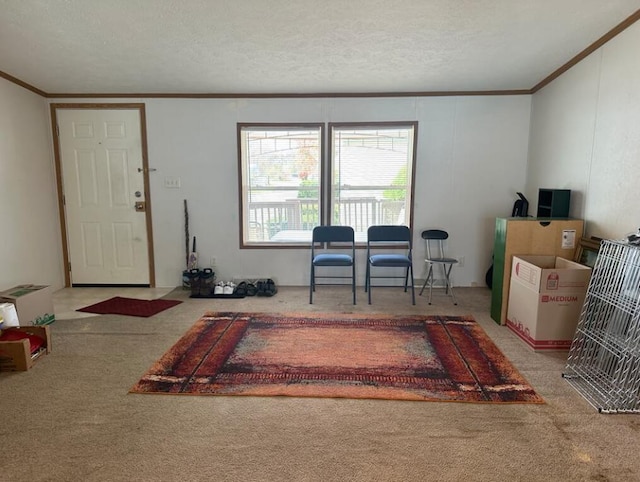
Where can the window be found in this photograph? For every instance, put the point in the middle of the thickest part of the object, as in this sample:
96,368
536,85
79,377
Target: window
283,184
280,172
371,174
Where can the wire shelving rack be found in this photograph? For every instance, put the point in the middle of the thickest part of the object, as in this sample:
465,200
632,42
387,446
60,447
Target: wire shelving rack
603,364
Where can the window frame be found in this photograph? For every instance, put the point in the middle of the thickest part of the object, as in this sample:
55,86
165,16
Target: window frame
241,126
325,175
370,125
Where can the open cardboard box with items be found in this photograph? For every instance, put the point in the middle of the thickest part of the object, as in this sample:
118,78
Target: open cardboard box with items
25,312
34,303
545,300
21,347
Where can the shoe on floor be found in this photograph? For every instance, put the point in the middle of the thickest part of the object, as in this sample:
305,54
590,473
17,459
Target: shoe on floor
228,288
219,289
266,288
251,289
241,289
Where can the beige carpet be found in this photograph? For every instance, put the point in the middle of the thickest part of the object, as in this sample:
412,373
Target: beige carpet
71,419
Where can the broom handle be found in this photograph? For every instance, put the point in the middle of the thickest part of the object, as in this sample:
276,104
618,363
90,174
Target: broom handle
186,233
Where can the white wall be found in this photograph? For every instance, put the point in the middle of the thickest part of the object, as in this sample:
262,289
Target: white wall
585,137
471,160
29,222
472,154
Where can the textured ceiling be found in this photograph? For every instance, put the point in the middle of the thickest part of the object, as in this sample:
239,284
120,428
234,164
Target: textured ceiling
296,46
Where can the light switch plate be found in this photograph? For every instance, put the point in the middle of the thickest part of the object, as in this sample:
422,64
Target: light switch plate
172,182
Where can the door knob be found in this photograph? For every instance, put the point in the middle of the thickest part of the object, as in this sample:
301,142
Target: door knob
140,206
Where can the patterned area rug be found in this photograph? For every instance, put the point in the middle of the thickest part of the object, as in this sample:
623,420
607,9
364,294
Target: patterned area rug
434,358
130,307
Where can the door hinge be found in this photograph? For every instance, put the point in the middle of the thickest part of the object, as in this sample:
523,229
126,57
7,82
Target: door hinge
69,267
57,130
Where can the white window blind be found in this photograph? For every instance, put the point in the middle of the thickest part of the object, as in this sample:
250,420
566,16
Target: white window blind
280,172
371,175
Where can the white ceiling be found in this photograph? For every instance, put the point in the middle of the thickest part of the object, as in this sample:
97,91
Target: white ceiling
296,46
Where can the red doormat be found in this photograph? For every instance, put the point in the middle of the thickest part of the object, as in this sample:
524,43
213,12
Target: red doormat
130,307
434,358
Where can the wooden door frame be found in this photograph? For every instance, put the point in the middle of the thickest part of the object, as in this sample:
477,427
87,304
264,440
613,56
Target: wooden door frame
145,167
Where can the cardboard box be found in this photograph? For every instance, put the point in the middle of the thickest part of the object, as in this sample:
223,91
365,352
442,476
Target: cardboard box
17,356
34,304
527,236
545,300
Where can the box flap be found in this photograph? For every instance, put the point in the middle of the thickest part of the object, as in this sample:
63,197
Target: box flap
550,273
562,263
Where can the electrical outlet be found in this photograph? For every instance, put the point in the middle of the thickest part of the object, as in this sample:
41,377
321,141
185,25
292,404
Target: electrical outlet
460,261
213,261
172,182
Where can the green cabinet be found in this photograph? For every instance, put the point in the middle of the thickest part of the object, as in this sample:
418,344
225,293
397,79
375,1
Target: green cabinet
527,236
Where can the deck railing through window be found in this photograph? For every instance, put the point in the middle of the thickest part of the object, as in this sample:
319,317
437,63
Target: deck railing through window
267,221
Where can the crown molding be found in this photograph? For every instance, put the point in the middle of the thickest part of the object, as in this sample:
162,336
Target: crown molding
588,51
22,84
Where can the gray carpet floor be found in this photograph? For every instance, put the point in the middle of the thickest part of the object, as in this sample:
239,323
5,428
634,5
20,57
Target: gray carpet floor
71,417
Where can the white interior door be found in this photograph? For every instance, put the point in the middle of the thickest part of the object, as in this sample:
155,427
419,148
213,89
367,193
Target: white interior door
102,174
